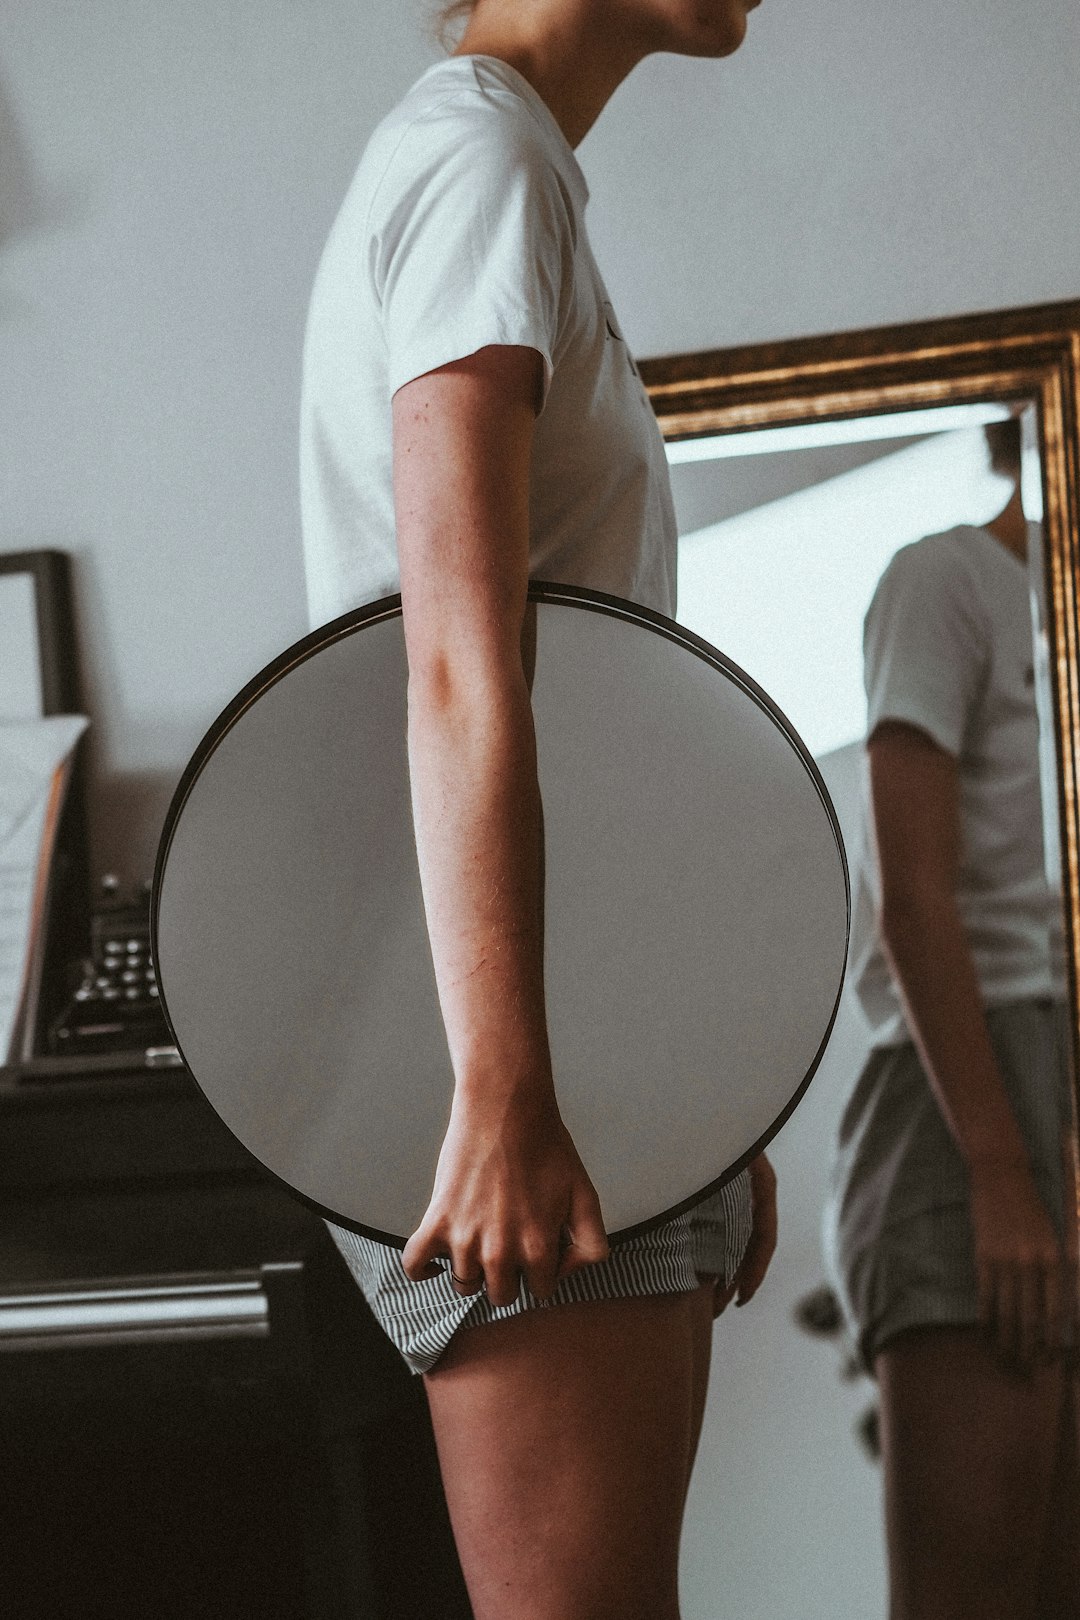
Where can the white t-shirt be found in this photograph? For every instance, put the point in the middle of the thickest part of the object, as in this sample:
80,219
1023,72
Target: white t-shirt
947,645
464,226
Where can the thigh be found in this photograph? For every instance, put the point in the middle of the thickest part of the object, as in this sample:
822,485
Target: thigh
969,1452
566,1438
701,1362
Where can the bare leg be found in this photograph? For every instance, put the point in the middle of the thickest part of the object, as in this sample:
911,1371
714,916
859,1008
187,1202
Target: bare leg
702,1353
969,1455
565,1439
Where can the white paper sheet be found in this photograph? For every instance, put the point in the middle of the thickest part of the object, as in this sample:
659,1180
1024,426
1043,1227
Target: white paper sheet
31,754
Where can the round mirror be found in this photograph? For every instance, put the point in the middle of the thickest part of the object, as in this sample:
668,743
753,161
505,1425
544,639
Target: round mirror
696,915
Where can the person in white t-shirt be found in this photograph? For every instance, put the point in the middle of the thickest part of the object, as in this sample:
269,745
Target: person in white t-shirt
471,416
952,1218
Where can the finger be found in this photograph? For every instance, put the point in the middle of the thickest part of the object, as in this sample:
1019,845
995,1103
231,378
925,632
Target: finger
758,1256
541,1265
569,1258
767,1242
501,1277
463,1284
588,1242
424,1255
463,1264
722,1298
751,1273
763,1232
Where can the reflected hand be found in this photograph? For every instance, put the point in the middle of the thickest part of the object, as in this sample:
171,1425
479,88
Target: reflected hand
511,1199
1020,1267
762,1245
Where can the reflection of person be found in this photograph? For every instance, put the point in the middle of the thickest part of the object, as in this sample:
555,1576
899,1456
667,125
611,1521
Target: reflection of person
471,415
954,1175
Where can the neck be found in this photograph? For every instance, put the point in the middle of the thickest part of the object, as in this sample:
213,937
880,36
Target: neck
1010,527
573,56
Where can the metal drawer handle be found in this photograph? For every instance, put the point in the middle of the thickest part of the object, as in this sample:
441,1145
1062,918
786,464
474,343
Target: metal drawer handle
144,1312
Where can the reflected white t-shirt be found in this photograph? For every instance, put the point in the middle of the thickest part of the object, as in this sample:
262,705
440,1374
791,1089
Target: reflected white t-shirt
947,646
464,226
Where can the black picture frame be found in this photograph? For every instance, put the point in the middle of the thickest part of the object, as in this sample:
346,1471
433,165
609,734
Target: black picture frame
50,571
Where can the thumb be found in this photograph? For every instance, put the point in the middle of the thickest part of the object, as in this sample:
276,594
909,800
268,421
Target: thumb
418,1258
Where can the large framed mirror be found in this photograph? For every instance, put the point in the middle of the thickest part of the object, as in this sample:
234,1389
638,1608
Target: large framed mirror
800,471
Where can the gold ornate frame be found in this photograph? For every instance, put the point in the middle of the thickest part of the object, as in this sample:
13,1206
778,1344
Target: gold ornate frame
1031,354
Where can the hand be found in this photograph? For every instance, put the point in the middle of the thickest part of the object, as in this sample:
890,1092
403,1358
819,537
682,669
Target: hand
762,1245
511,1199
1018,1261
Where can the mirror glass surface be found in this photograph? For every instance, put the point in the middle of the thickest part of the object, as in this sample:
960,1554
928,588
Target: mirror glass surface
692,863
785,534
782,549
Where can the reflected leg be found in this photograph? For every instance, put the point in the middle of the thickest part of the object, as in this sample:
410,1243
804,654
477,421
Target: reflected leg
969,1451
566,1438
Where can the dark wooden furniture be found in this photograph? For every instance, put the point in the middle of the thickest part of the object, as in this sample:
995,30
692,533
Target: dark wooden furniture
201,1419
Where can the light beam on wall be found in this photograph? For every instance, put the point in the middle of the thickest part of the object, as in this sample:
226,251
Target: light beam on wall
783,589
851,430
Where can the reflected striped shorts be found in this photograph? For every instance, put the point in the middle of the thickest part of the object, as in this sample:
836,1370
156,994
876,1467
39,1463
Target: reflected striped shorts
898,1235
422,1318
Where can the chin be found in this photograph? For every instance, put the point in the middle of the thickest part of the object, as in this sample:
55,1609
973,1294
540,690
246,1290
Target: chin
717,28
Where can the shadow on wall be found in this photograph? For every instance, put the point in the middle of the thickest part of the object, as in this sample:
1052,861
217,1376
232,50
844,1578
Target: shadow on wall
28,204
123,802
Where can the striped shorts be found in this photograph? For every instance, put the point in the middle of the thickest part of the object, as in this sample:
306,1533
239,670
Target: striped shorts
898,1234
422,1318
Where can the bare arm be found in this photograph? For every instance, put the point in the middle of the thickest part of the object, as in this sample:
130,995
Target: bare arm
915,798
509,1179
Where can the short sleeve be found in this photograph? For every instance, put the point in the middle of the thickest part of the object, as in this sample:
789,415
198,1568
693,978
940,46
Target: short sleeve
472,244
925,646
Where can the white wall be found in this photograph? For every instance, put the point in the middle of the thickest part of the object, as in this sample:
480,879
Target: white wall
863,162
169,173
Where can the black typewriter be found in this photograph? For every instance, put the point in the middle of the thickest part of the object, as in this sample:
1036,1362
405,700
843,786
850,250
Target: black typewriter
113,1004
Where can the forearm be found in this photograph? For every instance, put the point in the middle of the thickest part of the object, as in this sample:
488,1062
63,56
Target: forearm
932,962
476,811
511,1198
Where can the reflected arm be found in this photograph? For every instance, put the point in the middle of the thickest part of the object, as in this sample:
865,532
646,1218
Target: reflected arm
1018,1260
915,796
